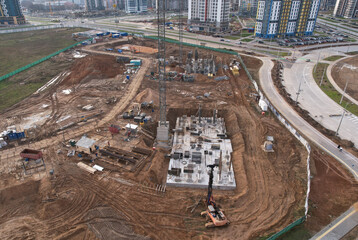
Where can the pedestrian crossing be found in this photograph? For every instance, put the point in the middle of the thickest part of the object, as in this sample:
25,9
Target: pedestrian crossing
353,118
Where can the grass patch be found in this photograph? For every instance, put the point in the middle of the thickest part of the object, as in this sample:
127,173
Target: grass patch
352,53
330,91
20,49
333,58
280,54
12,93
233,37
329,20
247,40
297,233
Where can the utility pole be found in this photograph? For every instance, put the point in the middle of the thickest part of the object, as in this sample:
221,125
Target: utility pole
324,72
298,92
340,122
315,66
344,91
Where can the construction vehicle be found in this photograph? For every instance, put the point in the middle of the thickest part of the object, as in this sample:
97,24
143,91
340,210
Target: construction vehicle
214,214
134,49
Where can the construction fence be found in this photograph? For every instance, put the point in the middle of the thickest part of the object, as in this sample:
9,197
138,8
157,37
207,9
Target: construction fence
39,61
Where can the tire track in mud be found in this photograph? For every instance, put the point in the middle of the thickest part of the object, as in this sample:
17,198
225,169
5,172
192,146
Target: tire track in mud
114,199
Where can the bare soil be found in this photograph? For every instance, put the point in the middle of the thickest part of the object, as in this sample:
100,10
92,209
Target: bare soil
333,191
347,69
119,203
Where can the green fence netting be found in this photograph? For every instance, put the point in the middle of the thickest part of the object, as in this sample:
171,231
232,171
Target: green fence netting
288,228
40,61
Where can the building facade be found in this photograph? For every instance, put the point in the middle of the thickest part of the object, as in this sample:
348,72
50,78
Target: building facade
136,6
10,12
93,5
286,18
208,15
327,5
346,8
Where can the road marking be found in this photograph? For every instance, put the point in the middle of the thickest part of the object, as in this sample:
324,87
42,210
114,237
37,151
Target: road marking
352,170
335,225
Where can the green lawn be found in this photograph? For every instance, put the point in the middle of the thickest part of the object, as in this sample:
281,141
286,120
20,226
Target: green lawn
333,58
329,20
246,40
329,90
352,53
20,49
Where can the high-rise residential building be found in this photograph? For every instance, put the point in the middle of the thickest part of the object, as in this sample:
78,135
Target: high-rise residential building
136,6
286,18
346,8
10,12
208,15
327,5
93,5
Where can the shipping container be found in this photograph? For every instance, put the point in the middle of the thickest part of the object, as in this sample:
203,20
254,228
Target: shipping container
31,154
124,34
14,136
136,62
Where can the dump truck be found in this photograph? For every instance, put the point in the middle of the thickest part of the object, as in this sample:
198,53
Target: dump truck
31,154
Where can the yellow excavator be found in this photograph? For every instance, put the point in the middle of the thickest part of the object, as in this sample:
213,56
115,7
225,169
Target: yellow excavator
214,215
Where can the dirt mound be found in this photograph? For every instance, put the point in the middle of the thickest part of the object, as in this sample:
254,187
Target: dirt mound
92,67
147,95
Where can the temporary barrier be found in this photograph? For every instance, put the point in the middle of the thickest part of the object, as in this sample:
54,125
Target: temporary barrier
288,228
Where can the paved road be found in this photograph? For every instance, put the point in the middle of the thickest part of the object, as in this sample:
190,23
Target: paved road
298,76
347,159
335,230
339,27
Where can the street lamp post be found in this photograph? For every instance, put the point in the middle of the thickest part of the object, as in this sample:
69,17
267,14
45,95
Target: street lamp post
298,92
315,66
324,72
344,91
340,122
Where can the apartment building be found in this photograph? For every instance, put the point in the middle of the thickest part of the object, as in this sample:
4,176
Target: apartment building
346,8
136,6
286,18
94,5
208,15
10,12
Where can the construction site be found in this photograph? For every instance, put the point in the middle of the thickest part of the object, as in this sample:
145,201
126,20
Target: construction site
135,140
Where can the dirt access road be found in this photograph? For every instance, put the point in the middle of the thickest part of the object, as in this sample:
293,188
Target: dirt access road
8,156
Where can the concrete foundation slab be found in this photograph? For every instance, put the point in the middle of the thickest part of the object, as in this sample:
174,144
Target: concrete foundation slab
197,143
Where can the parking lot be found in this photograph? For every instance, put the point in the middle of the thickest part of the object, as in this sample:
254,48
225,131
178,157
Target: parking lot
308,41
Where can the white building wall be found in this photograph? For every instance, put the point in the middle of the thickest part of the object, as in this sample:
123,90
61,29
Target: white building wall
261,10
294,10
275,11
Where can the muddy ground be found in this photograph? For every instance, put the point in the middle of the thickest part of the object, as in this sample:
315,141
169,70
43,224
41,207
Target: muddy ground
119,203
333,188
347,69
